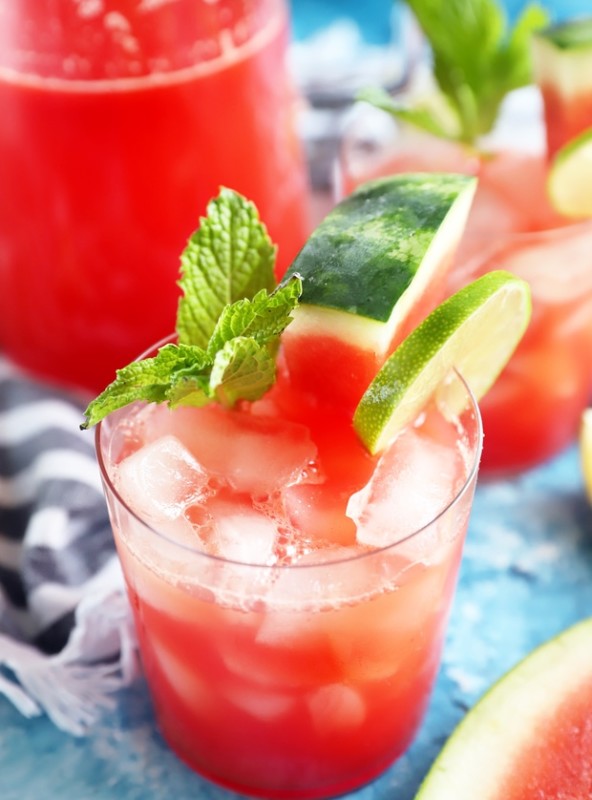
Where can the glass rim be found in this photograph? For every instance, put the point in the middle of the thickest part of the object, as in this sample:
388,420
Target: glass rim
350,135
468,481
152,79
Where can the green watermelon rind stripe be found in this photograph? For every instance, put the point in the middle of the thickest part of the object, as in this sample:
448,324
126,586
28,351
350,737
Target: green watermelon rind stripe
574,34
373,243
487,743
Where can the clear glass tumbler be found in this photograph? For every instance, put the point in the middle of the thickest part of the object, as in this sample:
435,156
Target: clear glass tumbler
290,679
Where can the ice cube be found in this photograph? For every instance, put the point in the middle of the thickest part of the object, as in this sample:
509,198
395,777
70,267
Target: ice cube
260,703
128,431
574,323
323,578
238,532
292,649
305,603
414,480
161,480
336,707
527,197
183,676
317,511
255,454
370,638
536,257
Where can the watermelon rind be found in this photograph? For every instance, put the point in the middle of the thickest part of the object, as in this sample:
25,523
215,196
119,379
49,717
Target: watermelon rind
486,745
562,57
371,259
571,34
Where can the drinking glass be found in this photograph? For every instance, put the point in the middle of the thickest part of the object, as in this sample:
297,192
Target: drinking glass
292,680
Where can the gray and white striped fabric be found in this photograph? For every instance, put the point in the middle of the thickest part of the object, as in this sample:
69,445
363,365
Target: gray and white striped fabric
66,638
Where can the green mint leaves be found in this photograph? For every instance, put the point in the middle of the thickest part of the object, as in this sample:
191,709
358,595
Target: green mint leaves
229,320
477,60
229,257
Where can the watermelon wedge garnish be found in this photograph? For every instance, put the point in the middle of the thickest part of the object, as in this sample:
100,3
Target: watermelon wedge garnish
372,270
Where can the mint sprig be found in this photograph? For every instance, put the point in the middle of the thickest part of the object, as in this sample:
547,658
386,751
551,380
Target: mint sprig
229,320
477,60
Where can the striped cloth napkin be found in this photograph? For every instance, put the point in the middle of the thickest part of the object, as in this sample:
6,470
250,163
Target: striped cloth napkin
66,635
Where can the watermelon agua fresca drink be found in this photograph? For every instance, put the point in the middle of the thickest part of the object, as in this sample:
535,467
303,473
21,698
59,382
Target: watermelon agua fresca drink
121,118
291,564
534,409
290,591
291,561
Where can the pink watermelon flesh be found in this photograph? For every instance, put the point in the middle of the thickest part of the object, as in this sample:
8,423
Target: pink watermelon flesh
557,764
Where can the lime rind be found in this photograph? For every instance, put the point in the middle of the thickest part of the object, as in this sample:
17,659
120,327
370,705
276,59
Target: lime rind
486,745
474,331
586,450
569,183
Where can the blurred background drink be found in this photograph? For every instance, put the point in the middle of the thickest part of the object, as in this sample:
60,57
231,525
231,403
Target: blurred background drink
534,410
120,119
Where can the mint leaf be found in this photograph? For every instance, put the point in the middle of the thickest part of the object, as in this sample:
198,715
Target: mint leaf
477,58
149,380
243,369
239,340
263,318
245,341
229,257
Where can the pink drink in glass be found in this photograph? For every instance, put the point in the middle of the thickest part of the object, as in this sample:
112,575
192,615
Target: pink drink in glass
534,409
290,591
120,120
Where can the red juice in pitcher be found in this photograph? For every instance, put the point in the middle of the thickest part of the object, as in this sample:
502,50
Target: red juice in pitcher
119,121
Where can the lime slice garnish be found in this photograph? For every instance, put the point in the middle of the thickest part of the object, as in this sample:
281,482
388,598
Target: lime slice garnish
475,331
586,450
570,177
533,704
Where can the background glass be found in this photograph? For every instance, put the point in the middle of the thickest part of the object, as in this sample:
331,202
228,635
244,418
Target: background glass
534,409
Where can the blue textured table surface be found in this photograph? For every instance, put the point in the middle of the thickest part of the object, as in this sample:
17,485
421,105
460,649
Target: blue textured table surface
527,574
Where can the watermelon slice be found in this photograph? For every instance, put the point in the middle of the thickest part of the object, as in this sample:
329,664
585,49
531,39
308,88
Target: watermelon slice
562,63
530,736
372,270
